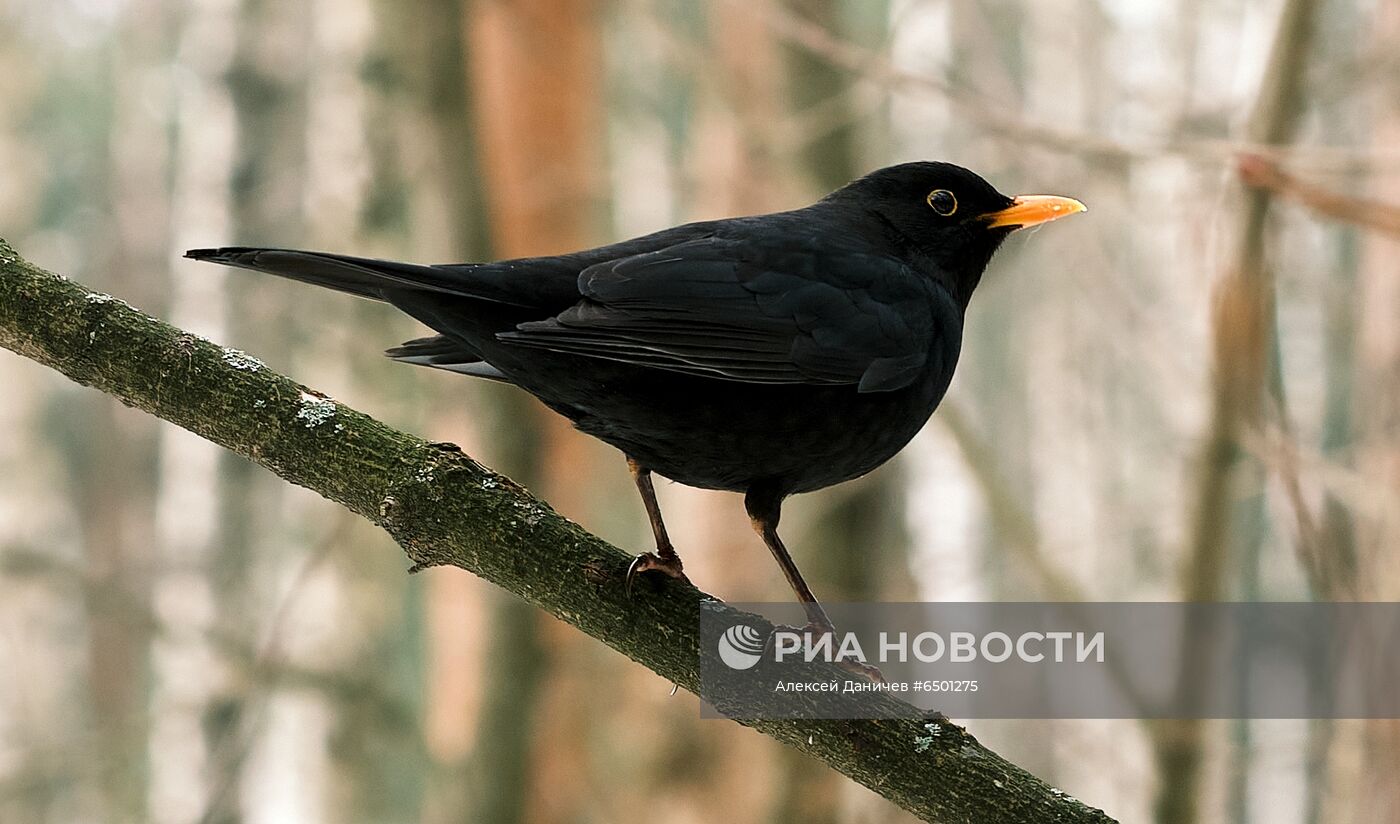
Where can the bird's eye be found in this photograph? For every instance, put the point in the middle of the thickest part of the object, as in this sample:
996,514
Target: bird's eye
943,202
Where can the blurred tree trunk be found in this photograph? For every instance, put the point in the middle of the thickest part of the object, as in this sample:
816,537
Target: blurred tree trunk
426,51
1247,372
426,203
266,81
1334,575
1365,755
386,762
112,453
536,74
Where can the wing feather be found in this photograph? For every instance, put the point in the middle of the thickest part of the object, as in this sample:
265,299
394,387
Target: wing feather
743,311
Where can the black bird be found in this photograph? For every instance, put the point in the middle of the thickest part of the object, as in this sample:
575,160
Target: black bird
767,355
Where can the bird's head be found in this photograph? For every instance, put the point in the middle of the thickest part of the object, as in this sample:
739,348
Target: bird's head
945,219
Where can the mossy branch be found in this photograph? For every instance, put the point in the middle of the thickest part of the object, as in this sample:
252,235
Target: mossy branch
444,508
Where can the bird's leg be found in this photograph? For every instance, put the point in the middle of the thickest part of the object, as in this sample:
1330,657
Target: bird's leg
765,508
764,511
665,558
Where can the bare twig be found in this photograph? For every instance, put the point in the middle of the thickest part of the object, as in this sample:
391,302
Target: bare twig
1260,173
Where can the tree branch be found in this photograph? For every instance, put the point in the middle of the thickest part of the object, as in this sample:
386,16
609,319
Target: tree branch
1261,173
444,508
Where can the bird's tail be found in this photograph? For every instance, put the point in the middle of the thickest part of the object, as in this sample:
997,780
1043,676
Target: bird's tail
468,302
368,278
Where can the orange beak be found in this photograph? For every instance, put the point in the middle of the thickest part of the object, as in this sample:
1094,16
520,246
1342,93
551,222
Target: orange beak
1033,210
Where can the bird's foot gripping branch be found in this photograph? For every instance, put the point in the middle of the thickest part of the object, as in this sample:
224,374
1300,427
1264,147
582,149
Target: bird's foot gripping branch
444,508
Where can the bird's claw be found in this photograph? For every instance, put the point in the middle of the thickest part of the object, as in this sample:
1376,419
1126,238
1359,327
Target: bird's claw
870,671
817,630
810,628
649,561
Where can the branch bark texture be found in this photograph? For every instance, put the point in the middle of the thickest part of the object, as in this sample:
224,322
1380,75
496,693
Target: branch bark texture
444,508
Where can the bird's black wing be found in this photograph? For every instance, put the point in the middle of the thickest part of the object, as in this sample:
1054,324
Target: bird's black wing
754,313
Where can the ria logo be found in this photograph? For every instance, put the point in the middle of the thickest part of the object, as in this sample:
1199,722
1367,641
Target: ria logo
740,647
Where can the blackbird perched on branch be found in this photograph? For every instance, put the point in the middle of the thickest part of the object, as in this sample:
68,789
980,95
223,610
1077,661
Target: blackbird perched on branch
766,355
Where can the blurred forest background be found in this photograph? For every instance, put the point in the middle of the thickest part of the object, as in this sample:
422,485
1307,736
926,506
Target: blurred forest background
1188,393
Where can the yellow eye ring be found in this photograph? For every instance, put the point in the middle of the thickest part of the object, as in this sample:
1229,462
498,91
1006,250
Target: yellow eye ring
942,201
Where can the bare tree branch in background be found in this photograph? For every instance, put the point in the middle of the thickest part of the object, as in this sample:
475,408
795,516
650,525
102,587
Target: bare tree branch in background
1000,121
444,508
1259,173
